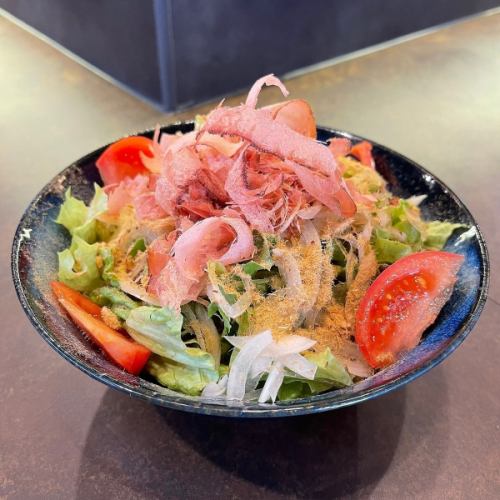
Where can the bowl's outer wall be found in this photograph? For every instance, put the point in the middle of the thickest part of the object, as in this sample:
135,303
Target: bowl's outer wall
39,238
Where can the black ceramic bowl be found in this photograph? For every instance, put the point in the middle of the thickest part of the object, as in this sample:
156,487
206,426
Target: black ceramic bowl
34,264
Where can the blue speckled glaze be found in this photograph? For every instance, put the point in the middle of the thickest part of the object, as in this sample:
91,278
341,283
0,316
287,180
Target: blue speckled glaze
34,265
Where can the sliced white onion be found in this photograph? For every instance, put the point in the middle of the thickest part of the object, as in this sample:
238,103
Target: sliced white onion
366,234
288,268
252,383
299,365
238,341
242,363
252,396
309,234
349,349
289,344
356,367
215,389
416,200
273,383
137,291
350,356
232,310
260,365
310,317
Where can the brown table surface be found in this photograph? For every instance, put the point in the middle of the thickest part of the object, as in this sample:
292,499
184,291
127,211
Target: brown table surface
436,99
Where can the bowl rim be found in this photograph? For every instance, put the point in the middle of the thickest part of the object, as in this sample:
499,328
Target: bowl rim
314,404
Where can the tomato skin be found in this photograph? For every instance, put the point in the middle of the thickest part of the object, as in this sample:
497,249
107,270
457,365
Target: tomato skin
62,291
402,302
123,159
125,352
297,114
363,152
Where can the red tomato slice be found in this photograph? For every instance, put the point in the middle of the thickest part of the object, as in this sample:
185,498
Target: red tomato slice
122,159
297,114
402,302
62,291
125,352
363,152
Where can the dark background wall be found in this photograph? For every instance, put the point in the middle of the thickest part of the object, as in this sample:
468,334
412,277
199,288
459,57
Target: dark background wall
178,52
116,36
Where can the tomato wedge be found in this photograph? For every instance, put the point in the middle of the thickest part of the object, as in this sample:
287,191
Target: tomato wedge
363,152
402,302
297,114
126,353
62,291
123,159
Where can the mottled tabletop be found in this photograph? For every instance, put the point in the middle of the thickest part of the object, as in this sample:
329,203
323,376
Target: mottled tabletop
434,98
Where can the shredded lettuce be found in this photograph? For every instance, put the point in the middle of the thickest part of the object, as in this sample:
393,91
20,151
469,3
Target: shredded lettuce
408,233
159,329
108,264
252,267
387,250
243,323
138,246
330,374
73,212
79,219
366,180
208,338
77,265
404,211
411,233
104,231
179,377
214,310
437,234
120,303
264,242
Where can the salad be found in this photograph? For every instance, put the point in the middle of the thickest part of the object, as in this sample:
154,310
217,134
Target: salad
247,261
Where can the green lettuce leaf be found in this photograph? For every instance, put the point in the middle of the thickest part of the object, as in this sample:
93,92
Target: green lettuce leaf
159,329
77,266
252,267
73,212
405,217
412,234
387,250
214,310
264,243
365,179
120,303
79,219
416,233
104,231
108,261
330,374
178,377
138,246
437,234
243,323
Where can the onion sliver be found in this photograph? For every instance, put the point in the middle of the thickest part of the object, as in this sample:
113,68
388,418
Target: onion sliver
273,383
299,365
240,368
215,389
